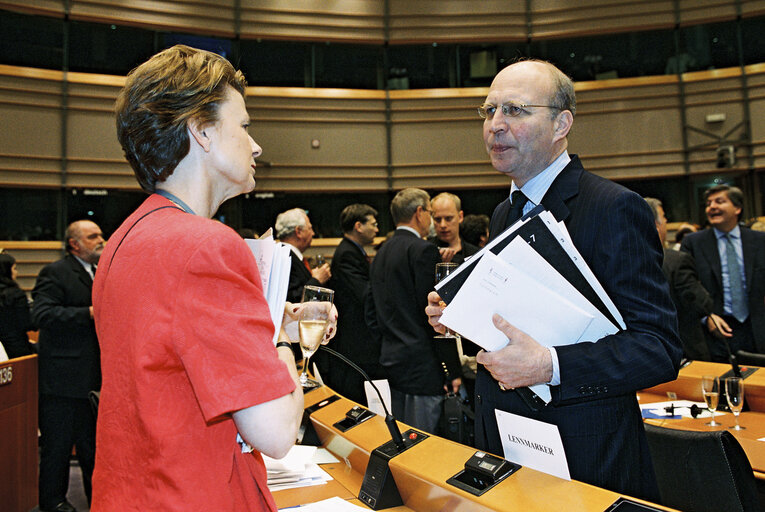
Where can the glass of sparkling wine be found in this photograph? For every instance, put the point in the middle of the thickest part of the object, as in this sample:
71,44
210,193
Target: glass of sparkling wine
312,322
710,388
443,269
734,390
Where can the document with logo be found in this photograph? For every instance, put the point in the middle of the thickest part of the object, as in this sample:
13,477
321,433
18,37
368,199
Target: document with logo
495,286
531,443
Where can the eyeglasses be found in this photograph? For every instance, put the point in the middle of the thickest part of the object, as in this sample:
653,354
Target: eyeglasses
487,110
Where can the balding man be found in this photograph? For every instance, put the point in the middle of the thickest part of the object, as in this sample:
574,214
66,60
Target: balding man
294,228
447,217
69,365
528,113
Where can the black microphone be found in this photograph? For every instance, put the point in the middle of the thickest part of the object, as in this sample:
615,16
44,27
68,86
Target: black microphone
390,421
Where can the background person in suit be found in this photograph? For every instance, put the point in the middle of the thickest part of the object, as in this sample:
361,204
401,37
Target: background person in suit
402,274
294,228
447,217
15,320
350,280
69,366
690,297
730,260
528,114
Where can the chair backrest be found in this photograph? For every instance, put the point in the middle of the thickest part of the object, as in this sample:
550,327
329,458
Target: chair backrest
702,471
750,358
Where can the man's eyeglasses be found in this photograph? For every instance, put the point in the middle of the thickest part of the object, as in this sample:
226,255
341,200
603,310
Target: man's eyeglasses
487,110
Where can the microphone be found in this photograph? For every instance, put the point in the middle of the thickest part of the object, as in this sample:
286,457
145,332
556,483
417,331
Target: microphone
390,421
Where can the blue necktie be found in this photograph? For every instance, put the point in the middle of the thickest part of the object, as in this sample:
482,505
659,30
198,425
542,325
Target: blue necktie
738,304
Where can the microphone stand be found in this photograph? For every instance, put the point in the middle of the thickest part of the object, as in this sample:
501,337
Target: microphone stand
390,421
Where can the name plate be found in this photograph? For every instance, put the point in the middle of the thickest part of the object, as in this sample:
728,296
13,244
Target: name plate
6,375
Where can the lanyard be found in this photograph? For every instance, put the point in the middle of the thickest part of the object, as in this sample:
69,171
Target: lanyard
175,199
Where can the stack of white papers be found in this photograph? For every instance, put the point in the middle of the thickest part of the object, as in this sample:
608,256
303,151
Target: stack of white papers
296,469
334,504
534,277
273,259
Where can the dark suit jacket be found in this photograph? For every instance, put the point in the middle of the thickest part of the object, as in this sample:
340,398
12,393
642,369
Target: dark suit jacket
703,247
691,300
402,275
69,363
350,280
299,277
594,407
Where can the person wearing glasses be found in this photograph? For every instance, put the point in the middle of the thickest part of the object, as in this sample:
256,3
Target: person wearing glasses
350,280
402,275
528,114
194,389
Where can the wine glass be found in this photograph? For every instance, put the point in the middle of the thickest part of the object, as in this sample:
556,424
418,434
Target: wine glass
312,323
710,388
443,269
734,388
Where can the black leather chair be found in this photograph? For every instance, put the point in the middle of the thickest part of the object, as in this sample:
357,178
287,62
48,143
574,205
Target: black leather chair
702,471
750,358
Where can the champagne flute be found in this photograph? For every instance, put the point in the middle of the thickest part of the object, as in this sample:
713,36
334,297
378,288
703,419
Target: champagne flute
443,269
312,323
734,388
710,388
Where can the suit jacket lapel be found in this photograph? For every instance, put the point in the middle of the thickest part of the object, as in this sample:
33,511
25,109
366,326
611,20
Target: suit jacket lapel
712,255
565,186
82,274
748,248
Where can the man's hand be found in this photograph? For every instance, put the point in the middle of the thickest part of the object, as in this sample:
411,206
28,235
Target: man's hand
322,273
455,384
718,327
523,362
447,253
434,309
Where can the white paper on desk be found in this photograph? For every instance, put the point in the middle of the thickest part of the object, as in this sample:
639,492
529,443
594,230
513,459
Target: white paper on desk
295,460
531,443
495,286
373,401
558,229
273,260
682,408
333,504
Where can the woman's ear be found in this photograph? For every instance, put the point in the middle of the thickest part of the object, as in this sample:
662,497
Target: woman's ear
198,133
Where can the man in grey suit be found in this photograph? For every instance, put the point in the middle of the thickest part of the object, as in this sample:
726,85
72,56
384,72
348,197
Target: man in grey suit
69,363
528,113
730,260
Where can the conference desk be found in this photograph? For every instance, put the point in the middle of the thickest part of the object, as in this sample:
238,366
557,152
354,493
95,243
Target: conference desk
687,386
421,472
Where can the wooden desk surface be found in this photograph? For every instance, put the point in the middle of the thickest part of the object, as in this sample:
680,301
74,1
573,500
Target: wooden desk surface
688,387
421,472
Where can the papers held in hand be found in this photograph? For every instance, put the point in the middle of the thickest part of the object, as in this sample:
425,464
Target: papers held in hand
533,276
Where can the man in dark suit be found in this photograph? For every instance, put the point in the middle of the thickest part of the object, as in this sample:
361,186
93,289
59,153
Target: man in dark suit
688,294
350,280
402,274
294,228
69,365
528,113
730,260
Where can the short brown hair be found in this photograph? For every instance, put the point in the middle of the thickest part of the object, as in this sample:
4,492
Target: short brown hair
159,97
405,203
